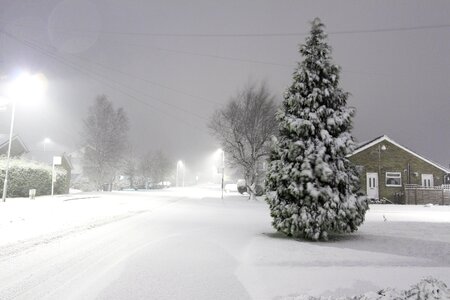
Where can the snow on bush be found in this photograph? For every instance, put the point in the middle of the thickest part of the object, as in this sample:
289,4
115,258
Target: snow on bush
426,289
312,188
26,174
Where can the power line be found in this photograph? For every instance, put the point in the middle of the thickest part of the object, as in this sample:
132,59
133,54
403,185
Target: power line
142,79
203,99
238,35
229,58
225,57
100,78
392,29
150,81
236,59
147,81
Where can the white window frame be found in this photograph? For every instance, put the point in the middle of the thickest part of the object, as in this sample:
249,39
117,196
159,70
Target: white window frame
396,175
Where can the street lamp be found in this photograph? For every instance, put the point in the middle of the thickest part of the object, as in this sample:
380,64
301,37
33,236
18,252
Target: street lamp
380,148
24,87
223,169
179,166
46,141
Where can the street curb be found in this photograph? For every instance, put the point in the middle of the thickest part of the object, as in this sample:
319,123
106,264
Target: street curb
80,198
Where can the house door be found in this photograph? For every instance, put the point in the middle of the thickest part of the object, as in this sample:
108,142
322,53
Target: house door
427,180
372,185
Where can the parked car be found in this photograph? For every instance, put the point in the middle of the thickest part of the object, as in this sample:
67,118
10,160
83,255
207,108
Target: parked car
231,187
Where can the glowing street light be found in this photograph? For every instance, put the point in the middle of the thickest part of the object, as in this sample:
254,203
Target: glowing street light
23,88
46,141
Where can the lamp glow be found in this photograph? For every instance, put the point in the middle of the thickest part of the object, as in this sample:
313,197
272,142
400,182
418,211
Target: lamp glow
26,87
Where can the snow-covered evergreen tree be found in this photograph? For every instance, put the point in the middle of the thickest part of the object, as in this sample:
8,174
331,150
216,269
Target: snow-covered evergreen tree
312,188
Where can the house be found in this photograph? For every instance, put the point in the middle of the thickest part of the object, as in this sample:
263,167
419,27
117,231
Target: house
387,168
18,147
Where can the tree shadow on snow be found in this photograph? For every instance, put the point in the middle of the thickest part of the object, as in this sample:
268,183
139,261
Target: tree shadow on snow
436,251
276,235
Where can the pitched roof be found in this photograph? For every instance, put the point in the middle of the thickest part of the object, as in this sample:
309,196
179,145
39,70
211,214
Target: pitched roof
4,140
379,139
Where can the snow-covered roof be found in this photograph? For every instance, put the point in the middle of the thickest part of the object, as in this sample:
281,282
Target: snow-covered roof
68,160
368,144
4,139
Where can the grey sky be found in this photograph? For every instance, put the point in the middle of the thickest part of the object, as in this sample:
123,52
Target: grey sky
185,58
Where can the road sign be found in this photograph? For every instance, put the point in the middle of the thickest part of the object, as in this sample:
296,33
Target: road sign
57,160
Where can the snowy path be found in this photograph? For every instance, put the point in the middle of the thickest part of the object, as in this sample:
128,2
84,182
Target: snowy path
188,244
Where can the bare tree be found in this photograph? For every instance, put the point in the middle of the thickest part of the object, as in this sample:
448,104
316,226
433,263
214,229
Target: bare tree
244,128
104,137
145,166
130,167
155,166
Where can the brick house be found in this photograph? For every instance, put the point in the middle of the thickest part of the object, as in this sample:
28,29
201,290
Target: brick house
387,167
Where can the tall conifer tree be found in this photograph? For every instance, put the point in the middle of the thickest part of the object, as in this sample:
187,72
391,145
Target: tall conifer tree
312,188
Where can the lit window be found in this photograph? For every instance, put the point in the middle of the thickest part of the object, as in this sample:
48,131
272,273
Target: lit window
393,179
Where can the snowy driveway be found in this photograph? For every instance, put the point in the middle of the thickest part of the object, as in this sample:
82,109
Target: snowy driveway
189,244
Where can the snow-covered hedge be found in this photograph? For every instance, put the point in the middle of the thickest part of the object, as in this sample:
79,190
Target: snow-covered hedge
25,175
427,289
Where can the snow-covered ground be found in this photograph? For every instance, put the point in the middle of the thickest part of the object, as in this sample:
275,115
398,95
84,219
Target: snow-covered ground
189,244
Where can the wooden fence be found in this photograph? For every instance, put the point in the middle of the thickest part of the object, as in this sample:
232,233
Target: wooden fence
416,194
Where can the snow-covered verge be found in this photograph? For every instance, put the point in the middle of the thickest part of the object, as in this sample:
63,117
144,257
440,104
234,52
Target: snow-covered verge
24,221
426,289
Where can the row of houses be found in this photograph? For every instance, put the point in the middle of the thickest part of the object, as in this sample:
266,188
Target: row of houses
389,171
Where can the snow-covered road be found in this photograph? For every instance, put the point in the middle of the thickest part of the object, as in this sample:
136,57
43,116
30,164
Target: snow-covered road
189,244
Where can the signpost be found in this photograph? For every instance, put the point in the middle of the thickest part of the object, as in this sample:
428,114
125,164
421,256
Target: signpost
57,160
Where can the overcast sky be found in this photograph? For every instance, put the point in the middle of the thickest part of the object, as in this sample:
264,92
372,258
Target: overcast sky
170,64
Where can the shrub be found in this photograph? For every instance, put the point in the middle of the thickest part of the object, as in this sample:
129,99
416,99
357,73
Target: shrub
241,186
26,174
259,190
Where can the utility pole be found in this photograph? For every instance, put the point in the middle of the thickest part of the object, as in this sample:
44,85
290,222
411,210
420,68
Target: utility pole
8,158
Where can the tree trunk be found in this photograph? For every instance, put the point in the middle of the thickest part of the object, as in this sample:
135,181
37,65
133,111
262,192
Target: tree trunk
250,184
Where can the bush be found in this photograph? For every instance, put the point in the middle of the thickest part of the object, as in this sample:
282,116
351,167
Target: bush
83,184
241,186
25,175
426,289
259,190
242,189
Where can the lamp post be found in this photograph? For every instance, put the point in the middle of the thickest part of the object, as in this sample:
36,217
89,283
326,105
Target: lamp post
380,148
179,166
183,170
25,86
11,128
56,161
223,170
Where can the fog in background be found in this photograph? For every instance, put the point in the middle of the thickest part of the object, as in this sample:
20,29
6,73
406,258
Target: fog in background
170,64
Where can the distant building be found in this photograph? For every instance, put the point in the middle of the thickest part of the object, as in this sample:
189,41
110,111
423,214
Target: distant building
387,168
18,147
